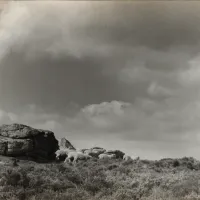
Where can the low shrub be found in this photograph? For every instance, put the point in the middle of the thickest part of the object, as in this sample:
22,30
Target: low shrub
167,179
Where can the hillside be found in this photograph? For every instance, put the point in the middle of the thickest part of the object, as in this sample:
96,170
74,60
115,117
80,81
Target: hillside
166,179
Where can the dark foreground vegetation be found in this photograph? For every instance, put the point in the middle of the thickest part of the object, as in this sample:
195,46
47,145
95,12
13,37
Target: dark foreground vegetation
167,179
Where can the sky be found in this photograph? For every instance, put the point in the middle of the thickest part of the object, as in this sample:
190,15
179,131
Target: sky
120,75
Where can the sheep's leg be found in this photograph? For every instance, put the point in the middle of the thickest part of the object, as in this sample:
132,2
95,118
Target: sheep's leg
75,160
57,157
66,160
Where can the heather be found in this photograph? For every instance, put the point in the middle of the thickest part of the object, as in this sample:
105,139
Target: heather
111,179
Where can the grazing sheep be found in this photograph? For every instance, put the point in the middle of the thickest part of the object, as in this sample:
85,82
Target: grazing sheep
127,158
75,156
118,153
110,156
61,154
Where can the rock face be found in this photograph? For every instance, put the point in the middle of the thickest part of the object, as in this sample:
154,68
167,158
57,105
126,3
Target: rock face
65,144
94,152
22,140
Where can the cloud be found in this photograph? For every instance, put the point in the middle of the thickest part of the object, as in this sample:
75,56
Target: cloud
12,27
147,124
113,107
162,122
5,117
46,45
61,32
191,76
157,90
124,71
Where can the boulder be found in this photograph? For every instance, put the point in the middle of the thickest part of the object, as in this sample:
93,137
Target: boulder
83,150
65,144
22,140
118,153
95,151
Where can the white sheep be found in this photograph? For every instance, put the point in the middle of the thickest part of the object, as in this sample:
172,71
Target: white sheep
127,158
62,153
75,156
105,156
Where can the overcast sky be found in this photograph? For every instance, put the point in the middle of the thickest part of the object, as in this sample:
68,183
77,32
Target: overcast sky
121,75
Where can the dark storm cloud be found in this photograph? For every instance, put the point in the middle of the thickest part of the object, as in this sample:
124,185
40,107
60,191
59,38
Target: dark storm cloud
67,50
159,25
54,83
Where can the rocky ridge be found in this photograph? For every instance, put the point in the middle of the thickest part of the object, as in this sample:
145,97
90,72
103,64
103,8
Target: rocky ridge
22,140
